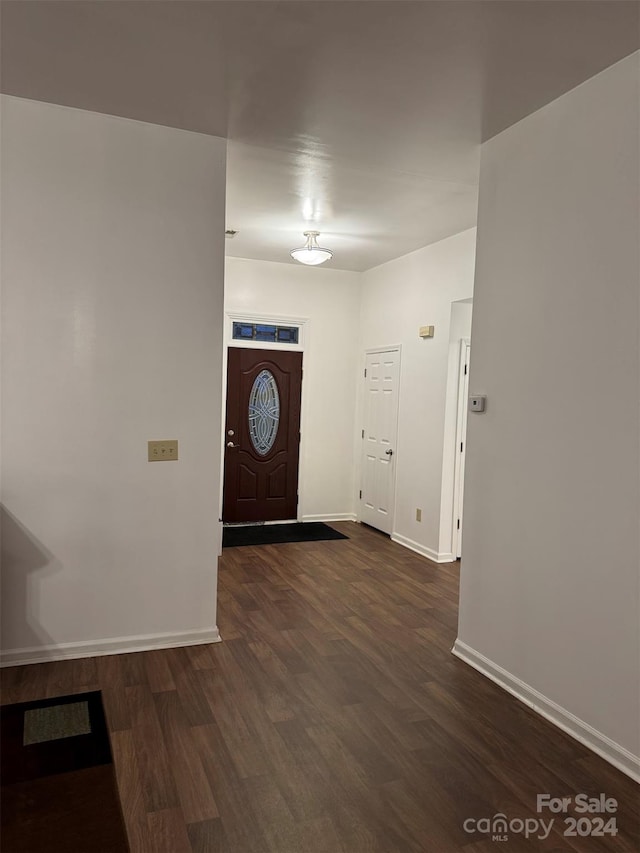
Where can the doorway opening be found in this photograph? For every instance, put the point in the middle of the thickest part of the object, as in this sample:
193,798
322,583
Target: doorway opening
461,444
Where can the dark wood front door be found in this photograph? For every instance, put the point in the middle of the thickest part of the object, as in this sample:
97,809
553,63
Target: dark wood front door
262,435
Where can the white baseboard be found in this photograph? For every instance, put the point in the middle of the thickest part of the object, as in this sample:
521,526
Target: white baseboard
435,556
110,646
340,516
445,557
594,740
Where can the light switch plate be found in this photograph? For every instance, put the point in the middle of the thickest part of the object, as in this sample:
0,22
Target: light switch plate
163,451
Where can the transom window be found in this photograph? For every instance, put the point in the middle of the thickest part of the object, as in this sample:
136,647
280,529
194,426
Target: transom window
269,333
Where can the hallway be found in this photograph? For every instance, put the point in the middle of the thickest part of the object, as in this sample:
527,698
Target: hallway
332,717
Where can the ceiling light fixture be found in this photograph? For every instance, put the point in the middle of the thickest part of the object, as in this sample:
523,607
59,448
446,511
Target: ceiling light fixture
311,253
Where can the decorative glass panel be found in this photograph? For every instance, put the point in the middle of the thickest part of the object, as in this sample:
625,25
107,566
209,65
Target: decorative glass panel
287,335
265,333
264,412
242,330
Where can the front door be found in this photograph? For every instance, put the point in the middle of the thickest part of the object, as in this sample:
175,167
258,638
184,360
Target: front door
381,379
262,435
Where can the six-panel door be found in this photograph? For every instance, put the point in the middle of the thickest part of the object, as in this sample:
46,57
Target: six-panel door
382,373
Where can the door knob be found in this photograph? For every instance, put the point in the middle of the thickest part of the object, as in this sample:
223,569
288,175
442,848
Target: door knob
389,452
231,444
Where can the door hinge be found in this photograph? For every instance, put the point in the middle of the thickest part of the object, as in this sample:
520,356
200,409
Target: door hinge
465,370
461,446
365,373
363,433
360,494
458,524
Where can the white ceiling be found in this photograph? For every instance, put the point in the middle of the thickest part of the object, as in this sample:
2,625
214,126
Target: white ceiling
359,118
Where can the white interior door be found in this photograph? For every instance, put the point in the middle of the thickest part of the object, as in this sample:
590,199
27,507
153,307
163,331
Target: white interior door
461,448
381,380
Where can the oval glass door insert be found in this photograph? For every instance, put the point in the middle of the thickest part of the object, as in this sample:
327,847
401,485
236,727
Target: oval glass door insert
264,412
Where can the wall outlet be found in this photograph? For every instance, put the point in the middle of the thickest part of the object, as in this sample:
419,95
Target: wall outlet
418,515
163,451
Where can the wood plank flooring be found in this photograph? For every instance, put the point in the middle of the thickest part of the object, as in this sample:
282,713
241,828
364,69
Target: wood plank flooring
332,719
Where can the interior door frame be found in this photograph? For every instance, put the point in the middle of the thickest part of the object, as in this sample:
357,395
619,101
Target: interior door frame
464,354
363,364
303,342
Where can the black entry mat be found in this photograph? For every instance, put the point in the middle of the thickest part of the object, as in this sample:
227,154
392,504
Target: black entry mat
58,785
273,534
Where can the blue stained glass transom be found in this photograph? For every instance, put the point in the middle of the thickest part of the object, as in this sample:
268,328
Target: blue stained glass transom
265,332
264,412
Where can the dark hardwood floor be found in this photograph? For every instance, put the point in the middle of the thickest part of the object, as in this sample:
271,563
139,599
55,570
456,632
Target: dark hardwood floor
332,718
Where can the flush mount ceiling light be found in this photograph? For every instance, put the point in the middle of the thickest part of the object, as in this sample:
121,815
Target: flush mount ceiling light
311,253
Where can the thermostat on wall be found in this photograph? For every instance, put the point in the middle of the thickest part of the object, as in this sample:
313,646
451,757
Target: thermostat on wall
477,404
426,331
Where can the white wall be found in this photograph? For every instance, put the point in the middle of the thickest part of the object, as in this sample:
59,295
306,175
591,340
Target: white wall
397,298
329,301
551,564
112,240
